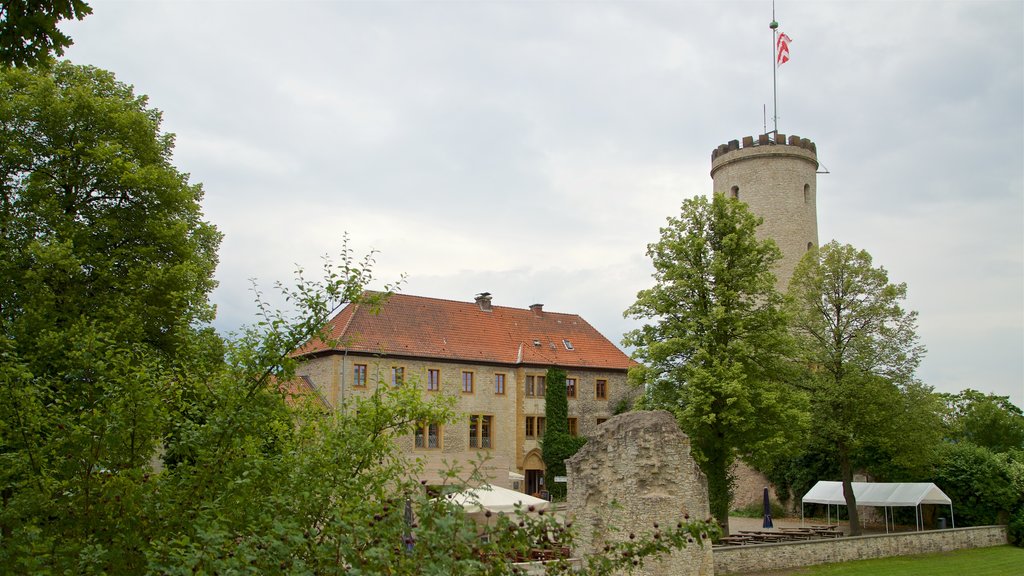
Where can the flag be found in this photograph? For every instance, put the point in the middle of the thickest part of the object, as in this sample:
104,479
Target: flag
782,49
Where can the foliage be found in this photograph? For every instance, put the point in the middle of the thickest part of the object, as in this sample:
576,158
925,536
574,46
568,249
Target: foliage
558,445
28,29
756,510
794,476
1015,529
861,350
100,232
716,335
985,420
105,267
978,482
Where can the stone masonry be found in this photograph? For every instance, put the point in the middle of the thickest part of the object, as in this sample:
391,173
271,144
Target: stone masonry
634,471
777,179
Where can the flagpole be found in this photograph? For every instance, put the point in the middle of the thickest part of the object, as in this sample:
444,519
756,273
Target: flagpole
775,91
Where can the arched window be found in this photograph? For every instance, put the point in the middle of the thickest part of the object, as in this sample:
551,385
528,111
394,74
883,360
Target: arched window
735,192
810,245
807,193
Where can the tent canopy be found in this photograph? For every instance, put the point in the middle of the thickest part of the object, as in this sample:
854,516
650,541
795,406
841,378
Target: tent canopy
495,499
878,494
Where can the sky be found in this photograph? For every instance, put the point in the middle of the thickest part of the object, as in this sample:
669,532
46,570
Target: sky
533,149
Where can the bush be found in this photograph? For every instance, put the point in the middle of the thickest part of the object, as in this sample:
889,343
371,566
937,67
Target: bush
755,510
1015,530
978,482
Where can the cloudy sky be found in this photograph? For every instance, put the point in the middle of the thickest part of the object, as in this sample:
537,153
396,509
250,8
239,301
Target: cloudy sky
533,149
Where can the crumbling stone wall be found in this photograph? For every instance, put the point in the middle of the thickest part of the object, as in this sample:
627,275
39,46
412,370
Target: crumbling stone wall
635,471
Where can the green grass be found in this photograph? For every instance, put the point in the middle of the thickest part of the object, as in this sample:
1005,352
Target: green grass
994,561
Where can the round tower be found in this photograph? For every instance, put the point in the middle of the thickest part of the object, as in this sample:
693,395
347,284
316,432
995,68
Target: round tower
776,178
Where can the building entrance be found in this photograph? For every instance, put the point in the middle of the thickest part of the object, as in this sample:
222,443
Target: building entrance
534,482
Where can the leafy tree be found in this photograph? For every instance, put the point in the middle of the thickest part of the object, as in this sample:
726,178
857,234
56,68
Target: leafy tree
105,267
861,349
98,227
558,445
28,29
986,420
713,348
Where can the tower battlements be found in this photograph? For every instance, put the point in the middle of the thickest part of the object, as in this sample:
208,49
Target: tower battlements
764,140
776,177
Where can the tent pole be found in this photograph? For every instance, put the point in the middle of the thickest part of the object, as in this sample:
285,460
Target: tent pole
951,520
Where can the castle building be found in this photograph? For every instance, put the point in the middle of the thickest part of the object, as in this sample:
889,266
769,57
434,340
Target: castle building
492,359
777,179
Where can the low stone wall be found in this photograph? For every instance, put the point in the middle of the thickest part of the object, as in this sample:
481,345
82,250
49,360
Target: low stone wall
764,557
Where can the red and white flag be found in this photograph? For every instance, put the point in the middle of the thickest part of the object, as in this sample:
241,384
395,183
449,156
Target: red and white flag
782,49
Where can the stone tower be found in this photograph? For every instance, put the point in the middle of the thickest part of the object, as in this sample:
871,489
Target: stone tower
776,178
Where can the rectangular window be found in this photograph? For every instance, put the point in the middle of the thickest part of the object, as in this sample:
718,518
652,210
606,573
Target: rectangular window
573,430
481,429
359,375
530,429
485,432
428,436
601,389
433,380
601,421
529,388
467,382
540,426
397,375
570,387
499,383
540,386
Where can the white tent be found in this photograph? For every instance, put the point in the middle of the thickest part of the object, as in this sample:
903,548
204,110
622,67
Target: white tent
884,494
496,499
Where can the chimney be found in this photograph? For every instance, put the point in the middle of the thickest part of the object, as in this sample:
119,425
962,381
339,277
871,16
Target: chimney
537,309
483,300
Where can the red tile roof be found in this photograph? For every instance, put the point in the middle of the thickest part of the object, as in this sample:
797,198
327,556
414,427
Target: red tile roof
415,326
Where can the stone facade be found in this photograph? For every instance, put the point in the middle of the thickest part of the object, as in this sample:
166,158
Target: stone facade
636,471
777,179
511,449
766,557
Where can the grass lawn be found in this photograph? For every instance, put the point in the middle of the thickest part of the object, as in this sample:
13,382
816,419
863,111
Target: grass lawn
995,561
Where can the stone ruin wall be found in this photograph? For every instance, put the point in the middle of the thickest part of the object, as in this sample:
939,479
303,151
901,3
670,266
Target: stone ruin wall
635,471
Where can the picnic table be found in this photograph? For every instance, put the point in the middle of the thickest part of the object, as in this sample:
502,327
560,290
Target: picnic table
734,540
762,536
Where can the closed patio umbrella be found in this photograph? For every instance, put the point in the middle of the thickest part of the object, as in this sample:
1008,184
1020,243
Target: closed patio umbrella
767,510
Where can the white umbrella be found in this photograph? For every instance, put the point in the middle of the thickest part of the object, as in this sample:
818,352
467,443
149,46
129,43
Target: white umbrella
496,499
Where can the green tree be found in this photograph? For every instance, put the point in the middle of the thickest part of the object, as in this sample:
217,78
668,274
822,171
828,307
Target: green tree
105,268
986,420
558,445
860,349
712,350
28,29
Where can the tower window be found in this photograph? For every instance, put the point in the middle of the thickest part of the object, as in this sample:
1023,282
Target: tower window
810,245
807,193
735,192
